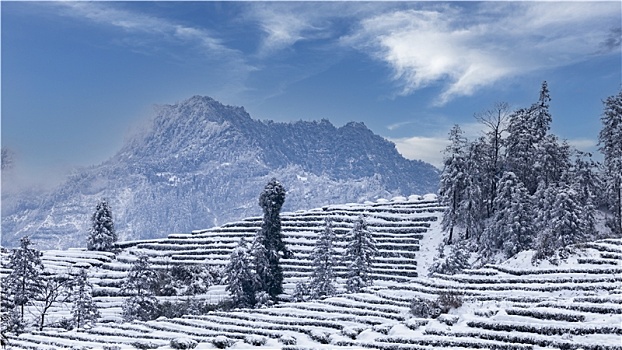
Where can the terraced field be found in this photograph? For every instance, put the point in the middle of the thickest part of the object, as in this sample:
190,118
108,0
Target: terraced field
574,305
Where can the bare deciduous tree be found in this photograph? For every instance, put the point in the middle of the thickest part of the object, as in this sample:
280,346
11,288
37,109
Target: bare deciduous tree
55,289
495,120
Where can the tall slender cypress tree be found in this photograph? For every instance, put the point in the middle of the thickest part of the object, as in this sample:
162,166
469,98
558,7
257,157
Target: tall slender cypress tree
268,247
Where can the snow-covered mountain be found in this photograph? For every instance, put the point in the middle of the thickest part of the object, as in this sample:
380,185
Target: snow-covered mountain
202,163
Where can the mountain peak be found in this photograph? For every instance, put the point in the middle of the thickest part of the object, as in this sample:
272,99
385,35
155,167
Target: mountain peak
201,163
356,125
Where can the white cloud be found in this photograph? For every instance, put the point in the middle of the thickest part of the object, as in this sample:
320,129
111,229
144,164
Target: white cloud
427,149
396,126
430,148
582,144
286,24
466,48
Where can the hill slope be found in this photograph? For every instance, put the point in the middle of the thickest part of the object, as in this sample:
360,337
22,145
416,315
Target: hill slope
202,163
574,305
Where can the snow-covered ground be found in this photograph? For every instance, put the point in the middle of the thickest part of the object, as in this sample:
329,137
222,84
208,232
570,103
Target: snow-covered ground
576,304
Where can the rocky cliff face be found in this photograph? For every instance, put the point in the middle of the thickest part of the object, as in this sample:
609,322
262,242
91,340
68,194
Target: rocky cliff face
203,163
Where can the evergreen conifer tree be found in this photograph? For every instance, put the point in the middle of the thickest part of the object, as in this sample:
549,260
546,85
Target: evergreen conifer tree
566,226
527,129
141,283
456,260
25,279
553,161
610,142
472,208
84,310
512,228
360,252
588,185
268,247
102,235
239,277
543,201
453,180
585,177
323,255
540,116
301,291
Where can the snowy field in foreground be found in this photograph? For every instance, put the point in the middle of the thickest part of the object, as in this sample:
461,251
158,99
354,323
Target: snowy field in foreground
574,305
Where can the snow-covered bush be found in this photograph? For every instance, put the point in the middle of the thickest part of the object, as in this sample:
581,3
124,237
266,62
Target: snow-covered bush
383,328
144,345
139,307
183,343
301,293
351,332
287,340
222,342
487,313
320,337
449,301
449,320
255,340
262,298
191,306
64,323
425,308
12,322
415,323
456,260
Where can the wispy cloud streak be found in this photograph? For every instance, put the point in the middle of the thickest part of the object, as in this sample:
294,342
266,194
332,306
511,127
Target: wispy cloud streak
285,24
160,29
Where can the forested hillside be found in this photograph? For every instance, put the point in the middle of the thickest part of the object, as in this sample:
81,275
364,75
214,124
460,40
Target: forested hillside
520,187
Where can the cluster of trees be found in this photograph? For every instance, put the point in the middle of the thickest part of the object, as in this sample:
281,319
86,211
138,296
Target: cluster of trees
519,187
144,284
28,284
358,258
254,277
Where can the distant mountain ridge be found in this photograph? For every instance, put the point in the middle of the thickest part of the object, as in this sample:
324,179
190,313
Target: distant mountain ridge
203,163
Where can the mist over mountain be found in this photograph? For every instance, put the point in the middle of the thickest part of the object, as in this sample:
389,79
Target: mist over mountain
202,163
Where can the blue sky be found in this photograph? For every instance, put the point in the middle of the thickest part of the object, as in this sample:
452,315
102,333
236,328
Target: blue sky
78,77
